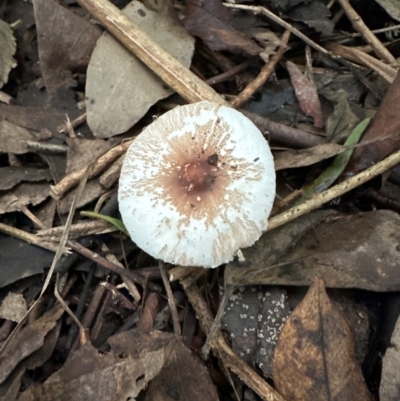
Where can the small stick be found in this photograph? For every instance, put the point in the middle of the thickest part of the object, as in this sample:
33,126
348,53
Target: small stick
227,74
332,193
46,147
171,300
263,76
350,53
168,68
74,123
29,238
281,22
135,277
369,37
57,191
111,175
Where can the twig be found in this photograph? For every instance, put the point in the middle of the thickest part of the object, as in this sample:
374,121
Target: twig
350,53
171,301
46,147
281,22
168,68
57,191
369,37
264,74
282,133
74,123
338,190
137,278
29,238
227,74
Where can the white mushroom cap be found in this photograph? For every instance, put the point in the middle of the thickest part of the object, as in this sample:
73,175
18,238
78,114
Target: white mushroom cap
196,185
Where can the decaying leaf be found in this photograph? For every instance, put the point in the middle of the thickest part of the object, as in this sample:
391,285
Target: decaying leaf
254,318
23,195
336,168
357,251
66,42
306,94
214,24
306,157
13,138
13,175
392,7
390,382
120,88
135,360
13,307
342,121
28,340
315,14
314,358
20,259
384,126
8,47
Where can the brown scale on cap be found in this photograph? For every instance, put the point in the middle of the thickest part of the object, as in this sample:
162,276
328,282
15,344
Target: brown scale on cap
198,176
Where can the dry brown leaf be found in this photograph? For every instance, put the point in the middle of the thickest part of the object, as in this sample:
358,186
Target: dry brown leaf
135,360
315,358
66,42
13,307
13,175
88,375
120,88
8,47
306,157
23,195
27,341
306,94
348,251
20,259
13,138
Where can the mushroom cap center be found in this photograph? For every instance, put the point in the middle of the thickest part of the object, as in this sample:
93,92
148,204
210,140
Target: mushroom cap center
198,175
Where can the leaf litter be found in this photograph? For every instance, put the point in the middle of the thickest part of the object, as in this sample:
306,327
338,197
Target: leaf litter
352,244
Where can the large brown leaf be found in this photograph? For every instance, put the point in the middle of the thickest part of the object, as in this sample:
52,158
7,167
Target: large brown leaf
314,358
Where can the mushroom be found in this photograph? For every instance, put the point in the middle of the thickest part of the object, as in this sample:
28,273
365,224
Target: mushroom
197,185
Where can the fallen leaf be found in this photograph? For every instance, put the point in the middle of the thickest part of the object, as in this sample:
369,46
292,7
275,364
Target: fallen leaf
23,195
214,24
182,377
333,171
254,318
8,47
20,259
66,42
28,340
91,375
385,126
342,120
306,94
13,307
315,14
392,7
10,176
389,389
314,358
306,157
356,251
120,89
13,138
